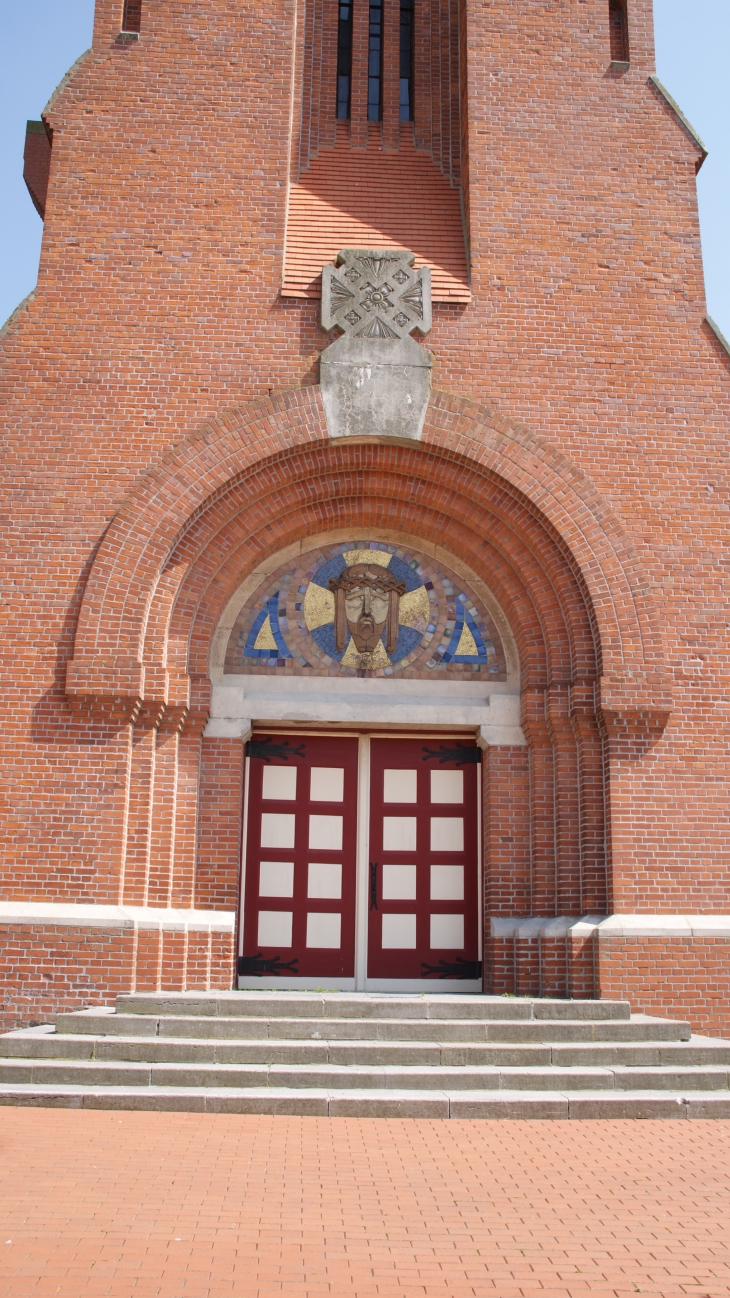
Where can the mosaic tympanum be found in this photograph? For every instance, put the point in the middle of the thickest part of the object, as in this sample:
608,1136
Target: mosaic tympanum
366,608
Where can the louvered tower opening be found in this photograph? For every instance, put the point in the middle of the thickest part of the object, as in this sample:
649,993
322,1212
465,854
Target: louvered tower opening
378,159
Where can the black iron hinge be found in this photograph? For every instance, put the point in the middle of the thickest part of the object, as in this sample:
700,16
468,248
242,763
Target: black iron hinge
460,755
267,748
257,966
459,968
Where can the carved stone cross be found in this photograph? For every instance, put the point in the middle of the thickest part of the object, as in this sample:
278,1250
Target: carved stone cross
376,294
375,379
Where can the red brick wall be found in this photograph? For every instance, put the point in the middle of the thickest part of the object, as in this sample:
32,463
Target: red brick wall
684,978
441,112
527,962
316,65
219,843
678,977
47,969
506,831
575,453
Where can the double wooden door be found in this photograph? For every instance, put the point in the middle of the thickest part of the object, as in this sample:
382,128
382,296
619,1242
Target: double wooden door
361,858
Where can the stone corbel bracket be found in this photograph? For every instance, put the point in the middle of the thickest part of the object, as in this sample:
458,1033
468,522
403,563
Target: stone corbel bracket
375,379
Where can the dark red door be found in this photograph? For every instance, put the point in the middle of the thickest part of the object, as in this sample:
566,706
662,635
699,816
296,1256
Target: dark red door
299,889
423,899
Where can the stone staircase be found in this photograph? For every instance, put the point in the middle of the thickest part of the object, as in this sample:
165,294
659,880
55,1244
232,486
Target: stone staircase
366,1055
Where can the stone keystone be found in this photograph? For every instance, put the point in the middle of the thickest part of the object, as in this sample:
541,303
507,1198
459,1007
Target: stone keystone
375,378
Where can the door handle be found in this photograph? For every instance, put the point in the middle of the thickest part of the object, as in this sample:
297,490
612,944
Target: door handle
373,885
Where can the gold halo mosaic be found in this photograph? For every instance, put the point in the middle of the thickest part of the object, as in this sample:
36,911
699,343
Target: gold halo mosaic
366,608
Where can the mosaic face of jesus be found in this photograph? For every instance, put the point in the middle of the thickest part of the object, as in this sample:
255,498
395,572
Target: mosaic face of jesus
367,611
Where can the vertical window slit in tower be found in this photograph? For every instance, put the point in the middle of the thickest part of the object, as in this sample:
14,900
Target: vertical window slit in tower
619,31
132,15
375,61
406,60
344,58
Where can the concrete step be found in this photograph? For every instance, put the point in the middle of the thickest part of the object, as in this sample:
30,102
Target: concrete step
638,1028
699,1051
330,1076
365,1005
318,1102
336,1053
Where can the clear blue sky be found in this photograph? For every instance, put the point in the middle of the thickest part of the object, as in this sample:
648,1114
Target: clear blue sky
42,38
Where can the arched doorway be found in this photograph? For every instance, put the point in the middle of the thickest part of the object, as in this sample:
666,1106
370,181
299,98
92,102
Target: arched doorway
538,552
370,674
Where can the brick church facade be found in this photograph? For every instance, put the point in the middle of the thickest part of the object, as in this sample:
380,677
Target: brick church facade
365,570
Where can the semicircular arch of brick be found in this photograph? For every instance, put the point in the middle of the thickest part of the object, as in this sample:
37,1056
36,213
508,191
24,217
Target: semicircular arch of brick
354,490
146,541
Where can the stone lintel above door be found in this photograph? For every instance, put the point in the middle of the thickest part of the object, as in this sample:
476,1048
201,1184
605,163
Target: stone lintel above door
490,711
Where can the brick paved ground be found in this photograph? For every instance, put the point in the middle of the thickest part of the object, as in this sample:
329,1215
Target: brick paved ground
189,1206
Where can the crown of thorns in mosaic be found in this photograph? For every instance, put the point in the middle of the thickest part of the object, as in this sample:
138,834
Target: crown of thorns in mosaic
366,601
376,294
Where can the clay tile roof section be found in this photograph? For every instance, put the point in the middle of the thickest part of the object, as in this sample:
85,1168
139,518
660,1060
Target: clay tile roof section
370,198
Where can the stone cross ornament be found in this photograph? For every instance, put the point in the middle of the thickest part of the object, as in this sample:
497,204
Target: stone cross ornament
375,379
376,294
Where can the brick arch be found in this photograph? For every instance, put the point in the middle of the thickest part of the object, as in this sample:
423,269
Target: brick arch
371,487
136,554
520,515
216,560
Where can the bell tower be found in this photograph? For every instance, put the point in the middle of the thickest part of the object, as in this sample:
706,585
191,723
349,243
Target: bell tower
365,451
